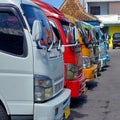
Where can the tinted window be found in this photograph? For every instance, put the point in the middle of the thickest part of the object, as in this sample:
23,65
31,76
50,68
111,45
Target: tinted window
116,35
95,10
34,13
68,32
84,33
11,34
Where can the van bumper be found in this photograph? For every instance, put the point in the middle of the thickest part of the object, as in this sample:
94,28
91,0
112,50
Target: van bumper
104,61
77,86
55,109
90,72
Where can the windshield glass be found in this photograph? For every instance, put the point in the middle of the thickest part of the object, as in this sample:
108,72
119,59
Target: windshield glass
68,32
34,13
72,31
117,35
84,33
57,38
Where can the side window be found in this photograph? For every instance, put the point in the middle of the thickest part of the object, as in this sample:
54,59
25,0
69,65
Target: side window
95,10
11,34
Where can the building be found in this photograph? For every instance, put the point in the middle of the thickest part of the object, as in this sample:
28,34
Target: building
73,8
107,11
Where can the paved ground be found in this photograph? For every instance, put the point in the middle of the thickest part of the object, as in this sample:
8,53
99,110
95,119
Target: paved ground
102,101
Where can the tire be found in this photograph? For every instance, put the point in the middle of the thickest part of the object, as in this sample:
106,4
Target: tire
3,114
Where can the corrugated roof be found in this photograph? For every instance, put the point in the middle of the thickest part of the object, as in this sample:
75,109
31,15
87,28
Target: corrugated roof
55,3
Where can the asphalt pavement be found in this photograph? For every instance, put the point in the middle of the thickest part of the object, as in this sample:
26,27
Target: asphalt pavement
102,100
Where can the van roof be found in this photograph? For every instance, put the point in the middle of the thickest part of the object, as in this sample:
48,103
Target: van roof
51,10
17,2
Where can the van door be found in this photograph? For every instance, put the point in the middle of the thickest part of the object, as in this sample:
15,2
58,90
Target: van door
16,63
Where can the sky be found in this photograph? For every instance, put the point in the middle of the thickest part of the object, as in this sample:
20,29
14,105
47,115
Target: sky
55,3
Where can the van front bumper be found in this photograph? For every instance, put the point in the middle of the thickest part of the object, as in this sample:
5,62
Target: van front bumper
104,61
55,109
90,72
77,86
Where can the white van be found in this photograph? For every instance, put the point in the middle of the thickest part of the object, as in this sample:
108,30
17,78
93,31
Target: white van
31,65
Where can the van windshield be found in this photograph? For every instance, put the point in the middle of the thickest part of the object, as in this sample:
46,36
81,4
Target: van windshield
69,33
83,32
34,13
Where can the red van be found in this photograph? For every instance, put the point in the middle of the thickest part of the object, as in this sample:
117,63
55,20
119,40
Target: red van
75,80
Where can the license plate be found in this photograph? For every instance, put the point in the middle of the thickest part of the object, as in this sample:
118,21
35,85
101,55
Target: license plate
67,112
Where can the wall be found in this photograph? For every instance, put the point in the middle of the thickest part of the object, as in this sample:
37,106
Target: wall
113,29
103,7
101,0
114,8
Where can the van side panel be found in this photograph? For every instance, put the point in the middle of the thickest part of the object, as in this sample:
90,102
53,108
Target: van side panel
15,74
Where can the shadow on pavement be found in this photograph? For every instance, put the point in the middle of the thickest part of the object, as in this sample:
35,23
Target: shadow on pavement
107,66
75,114
98,74
104,69
91,85
78,102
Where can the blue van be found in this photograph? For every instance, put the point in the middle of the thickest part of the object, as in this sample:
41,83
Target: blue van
104,56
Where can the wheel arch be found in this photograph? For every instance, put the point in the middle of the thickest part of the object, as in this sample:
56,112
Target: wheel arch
4,105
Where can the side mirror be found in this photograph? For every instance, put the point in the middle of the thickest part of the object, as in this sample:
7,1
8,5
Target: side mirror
36,30
37,34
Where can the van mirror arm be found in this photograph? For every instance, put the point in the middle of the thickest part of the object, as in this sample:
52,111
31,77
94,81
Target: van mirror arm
70,45
59,45
49,49
39,46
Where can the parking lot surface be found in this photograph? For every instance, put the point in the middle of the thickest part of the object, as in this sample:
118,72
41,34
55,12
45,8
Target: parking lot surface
102,100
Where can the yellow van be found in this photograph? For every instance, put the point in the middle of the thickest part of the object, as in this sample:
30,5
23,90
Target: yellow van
89,68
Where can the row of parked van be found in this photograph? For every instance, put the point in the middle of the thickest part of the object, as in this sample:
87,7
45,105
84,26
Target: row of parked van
46,58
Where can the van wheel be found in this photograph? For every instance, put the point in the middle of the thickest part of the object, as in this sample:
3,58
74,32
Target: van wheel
3,114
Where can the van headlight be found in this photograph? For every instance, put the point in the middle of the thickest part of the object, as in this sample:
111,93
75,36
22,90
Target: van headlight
72,71
43,89
86,61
